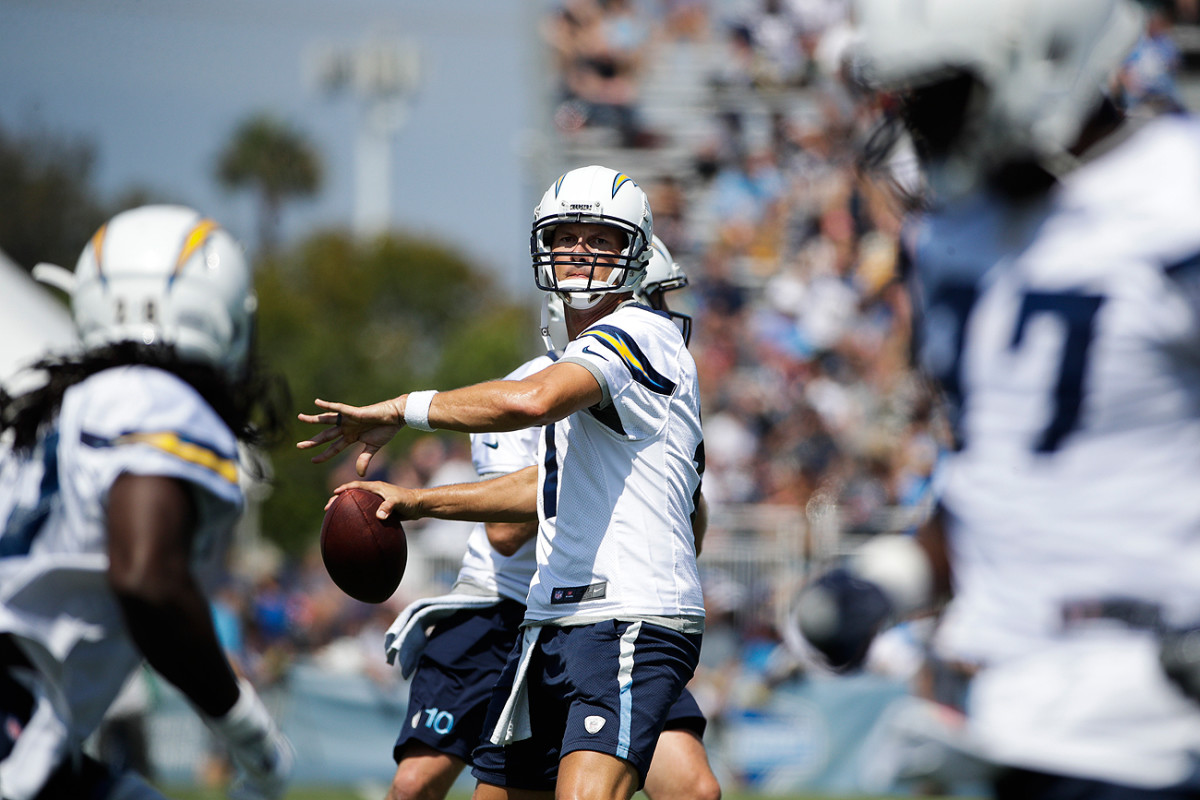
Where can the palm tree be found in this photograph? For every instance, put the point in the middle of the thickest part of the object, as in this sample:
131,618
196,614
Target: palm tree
270,158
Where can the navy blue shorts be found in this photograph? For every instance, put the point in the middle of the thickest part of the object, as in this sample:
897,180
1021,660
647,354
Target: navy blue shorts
685,715
452,685
607,687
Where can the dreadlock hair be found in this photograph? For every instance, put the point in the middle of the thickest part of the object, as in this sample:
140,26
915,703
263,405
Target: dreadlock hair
253,407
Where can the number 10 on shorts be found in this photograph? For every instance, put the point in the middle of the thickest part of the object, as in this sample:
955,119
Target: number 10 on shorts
440,722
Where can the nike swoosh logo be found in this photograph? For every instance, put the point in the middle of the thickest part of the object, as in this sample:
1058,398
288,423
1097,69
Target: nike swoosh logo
590,351
493,445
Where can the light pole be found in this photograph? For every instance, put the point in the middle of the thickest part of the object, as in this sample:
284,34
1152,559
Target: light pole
383,75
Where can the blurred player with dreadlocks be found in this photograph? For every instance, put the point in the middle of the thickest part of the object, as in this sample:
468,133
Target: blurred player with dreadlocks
118,494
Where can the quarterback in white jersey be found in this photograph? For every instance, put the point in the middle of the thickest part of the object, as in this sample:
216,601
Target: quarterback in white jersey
1055,276
456,664
605,566
604,657
118,492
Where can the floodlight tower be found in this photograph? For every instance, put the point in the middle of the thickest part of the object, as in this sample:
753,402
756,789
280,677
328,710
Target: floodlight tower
383,75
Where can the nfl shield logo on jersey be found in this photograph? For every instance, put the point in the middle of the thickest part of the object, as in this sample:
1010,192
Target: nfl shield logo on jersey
593,724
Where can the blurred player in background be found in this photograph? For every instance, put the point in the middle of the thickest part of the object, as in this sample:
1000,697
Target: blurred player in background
1056,272
118,492
614,613
477,625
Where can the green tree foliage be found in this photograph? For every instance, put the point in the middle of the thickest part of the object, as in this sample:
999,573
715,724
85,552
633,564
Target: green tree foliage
48,209
361,322
274,161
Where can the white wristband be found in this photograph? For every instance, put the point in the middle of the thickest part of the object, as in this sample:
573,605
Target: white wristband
416,409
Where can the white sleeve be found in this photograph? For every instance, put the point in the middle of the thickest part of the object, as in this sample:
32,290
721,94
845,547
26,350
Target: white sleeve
148,422
636,362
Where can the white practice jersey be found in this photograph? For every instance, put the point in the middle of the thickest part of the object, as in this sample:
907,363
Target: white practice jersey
54,593
618,482
1067,337
499,454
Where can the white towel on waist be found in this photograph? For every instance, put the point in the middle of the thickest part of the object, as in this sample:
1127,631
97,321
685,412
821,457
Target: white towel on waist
514,724
406,636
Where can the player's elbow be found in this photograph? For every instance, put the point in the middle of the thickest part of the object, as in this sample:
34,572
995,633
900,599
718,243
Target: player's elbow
534,405
145,586
506,538
706,788
505,546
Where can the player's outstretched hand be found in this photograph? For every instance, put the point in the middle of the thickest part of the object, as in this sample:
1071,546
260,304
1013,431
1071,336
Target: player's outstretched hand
373,426
398,501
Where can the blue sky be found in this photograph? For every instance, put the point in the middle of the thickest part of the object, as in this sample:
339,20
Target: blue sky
158,86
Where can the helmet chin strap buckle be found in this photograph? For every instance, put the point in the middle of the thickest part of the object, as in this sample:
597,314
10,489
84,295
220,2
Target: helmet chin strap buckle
574,293
580,301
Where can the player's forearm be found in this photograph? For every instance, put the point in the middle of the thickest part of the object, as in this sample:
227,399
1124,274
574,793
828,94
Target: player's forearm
174,631
495,406
508,498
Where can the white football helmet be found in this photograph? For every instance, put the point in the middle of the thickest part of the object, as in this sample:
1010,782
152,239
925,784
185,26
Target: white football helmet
1039,69
664,275
601,196
166,274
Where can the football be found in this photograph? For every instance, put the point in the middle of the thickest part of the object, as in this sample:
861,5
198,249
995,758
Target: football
364,555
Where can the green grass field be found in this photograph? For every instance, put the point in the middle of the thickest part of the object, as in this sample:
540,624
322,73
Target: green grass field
349,793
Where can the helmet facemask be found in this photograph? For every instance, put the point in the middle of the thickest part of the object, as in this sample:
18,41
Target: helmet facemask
584,291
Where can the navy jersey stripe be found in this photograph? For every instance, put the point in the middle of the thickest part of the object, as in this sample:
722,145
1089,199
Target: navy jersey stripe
634,359
23,525
609,417
550,484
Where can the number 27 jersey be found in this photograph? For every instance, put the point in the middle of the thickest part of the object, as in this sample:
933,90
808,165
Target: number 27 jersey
1066,336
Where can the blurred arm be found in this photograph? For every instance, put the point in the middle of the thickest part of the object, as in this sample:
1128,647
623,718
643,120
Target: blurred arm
151,521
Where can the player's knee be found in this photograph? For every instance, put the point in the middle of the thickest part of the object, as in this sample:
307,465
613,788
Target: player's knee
407,786
699,786
706,787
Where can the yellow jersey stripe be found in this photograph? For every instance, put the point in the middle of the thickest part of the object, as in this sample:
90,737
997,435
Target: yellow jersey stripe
188,451
622,349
